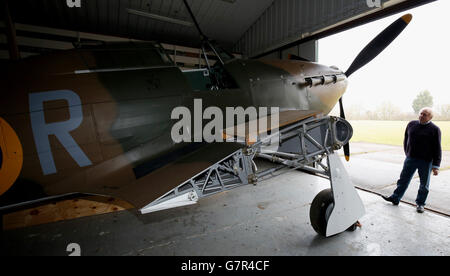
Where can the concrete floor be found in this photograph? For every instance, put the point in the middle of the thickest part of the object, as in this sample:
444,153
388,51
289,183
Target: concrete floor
377,168
271,218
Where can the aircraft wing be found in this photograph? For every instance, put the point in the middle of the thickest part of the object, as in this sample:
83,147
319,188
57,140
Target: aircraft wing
156,184
173,175
285,118
143,184
292,116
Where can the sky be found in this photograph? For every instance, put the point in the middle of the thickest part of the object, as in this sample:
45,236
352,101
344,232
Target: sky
418,60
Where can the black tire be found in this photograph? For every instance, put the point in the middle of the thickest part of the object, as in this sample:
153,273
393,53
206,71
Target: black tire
320,211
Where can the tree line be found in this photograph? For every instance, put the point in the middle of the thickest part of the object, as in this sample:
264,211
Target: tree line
387,111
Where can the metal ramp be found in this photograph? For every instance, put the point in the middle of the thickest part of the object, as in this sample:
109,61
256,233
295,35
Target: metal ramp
309,144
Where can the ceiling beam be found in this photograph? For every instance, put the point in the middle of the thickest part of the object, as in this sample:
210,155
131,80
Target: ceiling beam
10,31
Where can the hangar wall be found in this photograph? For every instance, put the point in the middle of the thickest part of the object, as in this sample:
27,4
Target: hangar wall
308,50
286,21
35,40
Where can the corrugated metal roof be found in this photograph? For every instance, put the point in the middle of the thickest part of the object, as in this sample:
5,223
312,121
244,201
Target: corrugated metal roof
222,20
251,27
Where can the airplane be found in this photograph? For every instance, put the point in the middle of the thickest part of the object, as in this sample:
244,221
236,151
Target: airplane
98,120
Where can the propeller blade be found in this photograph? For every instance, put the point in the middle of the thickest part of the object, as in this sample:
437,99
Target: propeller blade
346,146
379,43
347,151
341,108
371,51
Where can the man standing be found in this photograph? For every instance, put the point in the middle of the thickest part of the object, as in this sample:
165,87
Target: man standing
422,145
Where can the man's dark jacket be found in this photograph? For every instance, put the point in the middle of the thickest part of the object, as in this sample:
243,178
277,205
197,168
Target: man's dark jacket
423,142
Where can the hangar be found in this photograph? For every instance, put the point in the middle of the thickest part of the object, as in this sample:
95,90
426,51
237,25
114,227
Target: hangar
269,217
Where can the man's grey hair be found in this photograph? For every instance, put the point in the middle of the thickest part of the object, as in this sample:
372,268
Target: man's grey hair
429,110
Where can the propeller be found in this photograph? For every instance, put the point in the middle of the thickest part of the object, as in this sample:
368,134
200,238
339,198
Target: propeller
379,43
371,51
346,146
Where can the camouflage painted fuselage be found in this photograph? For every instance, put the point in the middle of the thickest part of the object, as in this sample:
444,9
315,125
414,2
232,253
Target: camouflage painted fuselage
121,135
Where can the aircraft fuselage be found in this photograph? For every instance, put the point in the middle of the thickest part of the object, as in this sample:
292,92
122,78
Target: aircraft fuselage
86,119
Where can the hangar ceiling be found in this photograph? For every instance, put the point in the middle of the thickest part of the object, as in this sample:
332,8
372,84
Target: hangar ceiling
224,20
251,27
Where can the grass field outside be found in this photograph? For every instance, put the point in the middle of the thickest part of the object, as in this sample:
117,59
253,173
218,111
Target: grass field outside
392,132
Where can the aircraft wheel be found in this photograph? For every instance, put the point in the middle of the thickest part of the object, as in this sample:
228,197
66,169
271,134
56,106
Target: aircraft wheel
320,211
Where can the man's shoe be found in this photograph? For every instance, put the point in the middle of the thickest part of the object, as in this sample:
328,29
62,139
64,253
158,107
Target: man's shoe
390,199
420,208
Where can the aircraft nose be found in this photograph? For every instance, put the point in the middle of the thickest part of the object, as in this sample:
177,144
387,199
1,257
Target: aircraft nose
326,90
324,79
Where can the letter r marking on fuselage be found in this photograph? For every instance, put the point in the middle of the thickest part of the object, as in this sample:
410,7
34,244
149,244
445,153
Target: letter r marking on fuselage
42,130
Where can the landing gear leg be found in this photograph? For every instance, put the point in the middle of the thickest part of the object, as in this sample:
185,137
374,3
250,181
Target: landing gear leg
337,209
